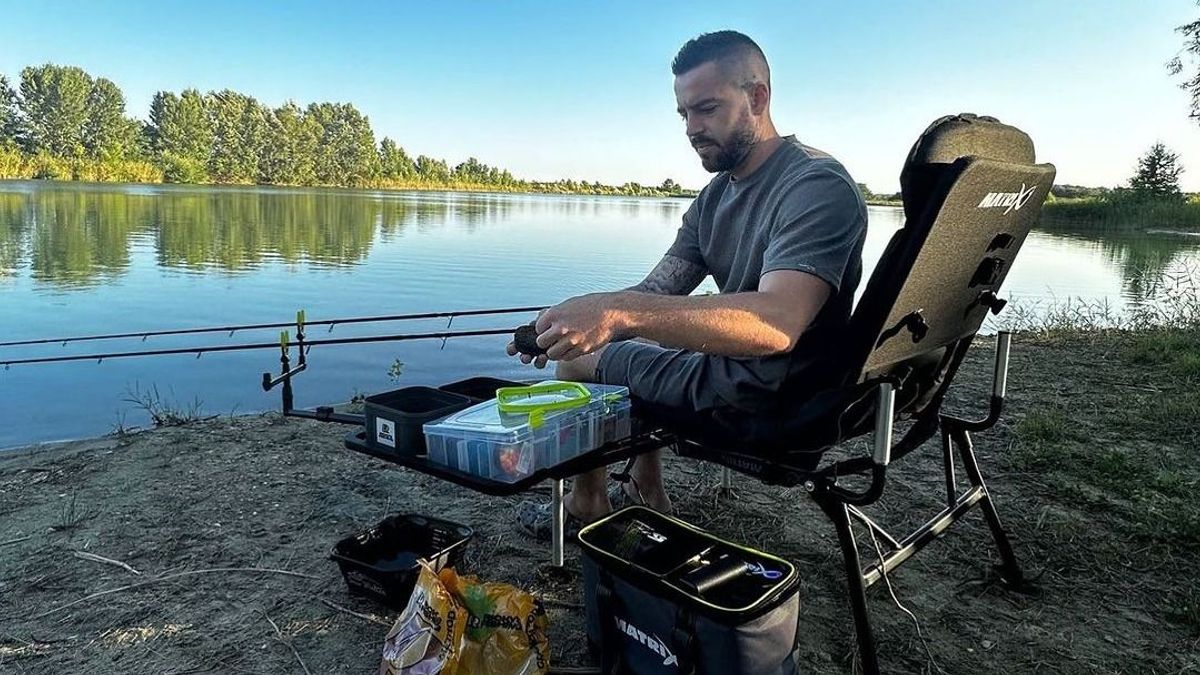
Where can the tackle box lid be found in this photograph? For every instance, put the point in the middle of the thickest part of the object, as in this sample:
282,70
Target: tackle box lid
547,401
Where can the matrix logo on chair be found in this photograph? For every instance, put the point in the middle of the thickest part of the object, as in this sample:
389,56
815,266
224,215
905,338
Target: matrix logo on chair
651,642
1009,201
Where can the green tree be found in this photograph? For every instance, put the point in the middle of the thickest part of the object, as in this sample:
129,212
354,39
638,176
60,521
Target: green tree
394,162
9,114
54,105
433,170
291,147
471,171
346,152
180,125
162,110
1157,175
240,127
107,133
1067,191
1189,70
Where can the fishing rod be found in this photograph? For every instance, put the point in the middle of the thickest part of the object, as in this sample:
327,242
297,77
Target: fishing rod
327,413
262,326
287,372
198,351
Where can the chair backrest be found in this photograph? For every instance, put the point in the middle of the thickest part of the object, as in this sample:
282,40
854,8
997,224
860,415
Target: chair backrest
971,194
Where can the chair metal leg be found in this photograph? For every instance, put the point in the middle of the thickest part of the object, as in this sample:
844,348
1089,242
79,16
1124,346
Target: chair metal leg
1010,569
856,589
556,529
948,467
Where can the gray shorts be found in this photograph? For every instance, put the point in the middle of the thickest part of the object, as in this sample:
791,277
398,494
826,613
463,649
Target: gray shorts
679,378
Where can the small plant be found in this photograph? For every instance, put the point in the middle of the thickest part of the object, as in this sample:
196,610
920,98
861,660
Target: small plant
1061,316
119,429
72,515
395,370
1171,303
162,412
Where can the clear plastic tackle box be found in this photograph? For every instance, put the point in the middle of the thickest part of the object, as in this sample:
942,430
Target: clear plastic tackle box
525,429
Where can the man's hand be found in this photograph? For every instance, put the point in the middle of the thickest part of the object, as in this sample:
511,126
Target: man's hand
579,326
538,361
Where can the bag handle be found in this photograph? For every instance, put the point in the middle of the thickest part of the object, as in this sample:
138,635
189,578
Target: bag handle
516,400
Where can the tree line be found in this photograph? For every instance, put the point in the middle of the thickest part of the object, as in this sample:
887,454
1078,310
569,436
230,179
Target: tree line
59,122
1155,179
1151,197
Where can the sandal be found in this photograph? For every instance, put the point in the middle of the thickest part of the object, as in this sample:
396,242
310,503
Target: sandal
536,520
619,498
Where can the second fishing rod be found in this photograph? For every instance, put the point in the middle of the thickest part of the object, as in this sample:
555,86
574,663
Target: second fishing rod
284,341
232,329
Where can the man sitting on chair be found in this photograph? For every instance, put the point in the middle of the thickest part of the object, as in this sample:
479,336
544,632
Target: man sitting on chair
780,228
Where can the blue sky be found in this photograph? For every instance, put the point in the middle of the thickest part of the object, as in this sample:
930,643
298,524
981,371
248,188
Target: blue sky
583,90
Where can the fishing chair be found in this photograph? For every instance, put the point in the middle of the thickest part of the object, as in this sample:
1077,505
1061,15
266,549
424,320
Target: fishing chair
971,193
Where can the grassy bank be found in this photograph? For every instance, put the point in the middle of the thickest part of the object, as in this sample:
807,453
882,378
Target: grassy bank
1114,464
1103,214
1135,465
16,165
1114,438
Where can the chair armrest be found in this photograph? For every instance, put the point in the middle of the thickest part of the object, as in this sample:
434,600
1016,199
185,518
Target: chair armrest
885,411
999,389
881,454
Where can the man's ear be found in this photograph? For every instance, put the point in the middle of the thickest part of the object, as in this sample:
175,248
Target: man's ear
760,97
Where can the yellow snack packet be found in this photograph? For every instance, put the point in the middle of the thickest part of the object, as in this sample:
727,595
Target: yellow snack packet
427,637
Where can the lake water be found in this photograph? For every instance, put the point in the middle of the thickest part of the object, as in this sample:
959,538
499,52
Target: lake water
85,259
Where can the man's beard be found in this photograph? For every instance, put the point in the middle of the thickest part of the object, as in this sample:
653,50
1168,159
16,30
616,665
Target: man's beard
730,153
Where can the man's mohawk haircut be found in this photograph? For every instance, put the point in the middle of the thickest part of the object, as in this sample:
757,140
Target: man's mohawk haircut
719,46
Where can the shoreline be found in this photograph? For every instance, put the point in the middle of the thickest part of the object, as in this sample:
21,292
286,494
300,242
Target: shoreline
1072,467
474,188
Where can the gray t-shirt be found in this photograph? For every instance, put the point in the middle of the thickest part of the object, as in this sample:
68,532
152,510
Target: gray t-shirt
800,211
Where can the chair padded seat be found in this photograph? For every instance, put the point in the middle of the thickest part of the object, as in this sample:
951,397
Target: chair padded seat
794,438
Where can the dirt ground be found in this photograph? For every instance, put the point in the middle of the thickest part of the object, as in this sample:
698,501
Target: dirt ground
1117,587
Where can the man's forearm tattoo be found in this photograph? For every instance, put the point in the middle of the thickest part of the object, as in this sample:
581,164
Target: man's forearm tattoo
672,276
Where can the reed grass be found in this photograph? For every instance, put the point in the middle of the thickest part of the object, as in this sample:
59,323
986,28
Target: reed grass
1121,214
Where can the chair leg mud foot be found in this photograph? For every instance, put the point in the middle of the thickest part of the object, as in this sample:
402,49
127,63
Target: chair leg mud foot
1015,581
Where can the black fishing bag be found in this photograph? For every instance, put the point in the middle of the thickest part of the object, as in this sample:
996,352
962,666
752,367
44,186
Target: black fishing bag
664,597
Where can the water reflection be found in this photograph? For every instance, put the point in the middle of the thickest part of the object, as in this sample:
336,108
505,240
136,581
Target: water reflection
78,236
237,231
1142,260
12,224
82,237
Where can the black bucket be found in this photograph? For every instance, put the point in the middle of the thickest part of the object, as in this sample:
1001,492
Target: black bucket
381,563
394,419
479,388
